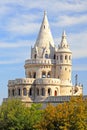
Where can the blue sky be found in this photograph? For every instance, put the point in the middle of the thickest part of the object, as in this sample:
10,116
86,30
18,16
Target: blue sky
20,22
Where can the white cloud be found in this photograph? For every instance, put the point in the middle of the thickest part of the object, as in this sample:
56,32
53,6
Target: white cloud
11,61
80,67
22,29
17,44
78,43
27,23
57,6
70,20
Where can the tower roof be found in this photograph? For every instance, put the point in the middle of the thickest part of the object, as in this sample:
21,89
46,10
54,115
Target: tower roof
44,38
64,40
64,44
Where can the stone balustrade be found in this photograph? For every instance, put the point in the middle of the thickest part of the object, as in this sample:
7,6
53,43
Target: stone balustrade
31,80
47,81
40,61
21,81
65,82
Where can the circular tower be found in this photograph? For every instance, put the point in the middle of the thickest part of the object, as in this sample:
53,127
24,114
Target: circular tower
64,61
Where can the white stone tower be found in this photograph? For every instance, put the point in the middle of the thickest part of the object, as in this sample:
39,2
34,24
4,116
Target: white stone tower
64,61
48,71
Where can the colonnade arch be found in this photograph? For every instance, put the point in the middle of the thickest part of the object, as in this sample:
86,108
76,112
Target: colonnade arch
29,92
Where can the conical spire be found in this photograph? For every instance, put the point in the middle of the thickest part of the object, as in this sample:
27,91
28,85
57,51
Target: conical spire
64,43
45,37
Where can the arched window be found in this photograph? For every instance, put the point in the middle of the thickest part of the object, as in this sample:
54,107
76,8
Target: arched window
37,91
49,91
35,56
8,92
34,75
43,92
43,74
30,92
24,91
55,93
46,55
49,75
19,92
61,57
66,57
54,56
13,92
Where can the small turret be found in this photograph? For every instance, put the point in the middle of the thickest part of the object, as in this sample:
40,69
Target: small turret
63,60
64,43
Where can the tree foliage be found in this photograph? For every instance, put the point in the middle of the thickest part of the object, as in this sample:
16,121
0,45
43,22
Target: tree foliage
72,115
14,115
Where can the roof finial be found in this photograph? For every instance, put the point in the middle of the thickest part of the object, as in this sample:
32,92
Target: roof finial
45,13
64,43
64,34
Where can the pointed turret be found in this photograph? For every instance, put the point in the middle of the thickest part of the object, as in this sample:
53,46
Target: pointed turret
45,37
44,43
64,43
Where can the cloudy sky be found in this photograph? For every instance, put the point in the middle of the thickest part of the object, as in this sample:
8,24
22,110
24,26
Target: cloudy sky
20,21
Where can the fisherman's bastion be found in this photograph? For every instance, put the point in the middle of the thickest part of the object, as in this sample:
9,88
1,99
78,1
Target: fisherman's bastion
47,72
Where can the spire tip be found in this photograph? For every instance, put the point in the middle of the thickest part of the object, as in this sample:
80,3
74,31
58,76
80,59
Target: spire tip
64,33
45,12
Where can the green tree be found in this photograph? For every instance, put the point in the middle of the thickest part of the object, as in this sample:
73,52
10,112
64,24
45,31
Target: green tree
70,115
14,115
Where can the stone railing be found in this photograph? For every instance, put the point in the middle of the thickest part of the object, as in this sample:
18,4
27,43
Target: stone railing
58,98
32,80
40,61
21,81
66,82
48,81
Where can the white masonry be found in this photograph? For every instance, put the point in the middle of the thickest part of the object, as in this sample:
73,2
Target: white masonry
48,71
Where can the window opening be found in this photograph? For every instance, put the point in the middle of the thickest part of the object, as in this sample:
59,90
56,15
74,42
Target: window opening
30,92
24,91
49,91
43,91
55,93
43,74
